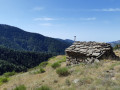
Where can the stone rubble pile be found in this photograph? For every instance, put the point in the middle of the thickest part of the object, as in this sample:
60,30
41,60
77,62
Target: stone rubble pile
89,52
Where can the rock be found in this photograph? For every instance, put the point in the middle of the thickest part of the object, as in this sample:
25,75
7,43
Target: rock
83,50
77,49
77,46
96,60
90,52
76,81
95,54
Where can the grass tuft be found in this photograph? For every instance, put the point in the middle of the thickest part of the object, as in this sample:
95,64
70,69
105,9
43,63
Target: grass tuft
8,74
43,64
62,71
3,80
44,88
56,65
41,70
21,87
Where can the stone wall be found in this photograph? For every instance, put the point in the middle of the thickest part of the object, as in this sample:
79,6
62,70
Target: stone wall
89,52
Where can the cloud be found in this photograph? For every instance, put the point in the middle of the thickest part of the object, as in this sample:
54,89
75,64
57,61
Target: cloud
97,10
45,24
44,19
38,8
88,19
108,10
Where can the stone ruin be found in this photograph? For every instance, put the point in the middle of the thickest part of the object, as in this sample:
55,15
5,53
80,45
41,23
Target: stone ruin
89,52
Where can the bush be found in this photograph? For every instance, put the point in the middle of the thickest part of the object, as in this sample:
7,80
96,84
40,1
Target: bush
44,88
21,87
3,79
43,64
8,74
41,70
55,65
62,71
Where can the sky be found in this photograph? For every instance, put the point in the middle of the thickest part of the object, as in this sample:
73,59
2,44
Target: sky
88,20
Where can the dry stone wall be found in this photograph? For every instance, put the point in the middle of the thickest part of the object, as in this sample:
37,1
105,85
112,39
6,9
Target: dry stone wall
89,52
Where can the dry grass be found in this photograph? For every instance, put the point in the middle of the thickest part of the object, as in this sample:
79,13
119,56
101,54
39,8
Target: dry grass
98,76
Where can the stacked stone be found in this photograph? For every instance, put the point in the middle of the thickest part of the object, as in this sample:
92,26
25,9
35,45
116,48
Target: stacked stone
88,52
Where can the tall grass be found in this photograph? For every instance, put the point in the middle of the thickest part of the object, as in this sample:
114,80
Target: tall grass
3,80
44,88
20,87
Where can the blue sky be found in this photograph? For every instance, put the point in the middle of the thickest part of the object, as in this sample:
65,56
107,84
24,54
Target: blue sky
89,20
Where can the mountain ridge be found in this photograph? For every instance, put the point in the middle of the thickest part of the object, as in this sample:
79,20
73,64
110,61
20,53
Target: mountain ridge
18,39
114,43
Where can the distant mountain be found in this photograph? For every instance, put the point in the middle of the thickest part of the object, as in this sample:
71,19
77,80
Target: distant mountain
18,39
114,43
66,40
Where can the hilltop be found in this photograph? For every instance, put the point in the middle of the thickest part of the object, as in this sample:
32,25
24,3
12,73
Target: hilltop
18,39
104,75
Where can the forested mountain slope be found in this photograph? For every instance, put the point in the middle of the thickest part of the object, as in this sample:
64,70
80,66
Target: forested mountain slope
11,60
15,38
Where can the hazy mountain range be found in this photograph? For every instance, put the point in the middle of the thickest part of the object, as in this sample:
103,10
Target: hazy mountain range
113,43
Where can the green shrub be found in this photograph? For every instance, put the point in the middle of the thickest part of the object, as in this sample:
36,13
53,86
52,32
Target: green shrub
43,64
55,65
62,71
21,87
41,70
3,80
44,88
8,74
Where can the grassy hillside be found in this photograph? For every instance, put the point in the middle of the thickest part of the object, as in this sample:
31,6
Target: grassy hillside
18,39
54,75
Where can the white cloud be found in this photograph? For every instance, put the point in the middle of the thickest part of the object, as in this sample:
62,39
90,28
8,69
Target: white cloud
44,19
88,19
108,10
38,8
45,24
